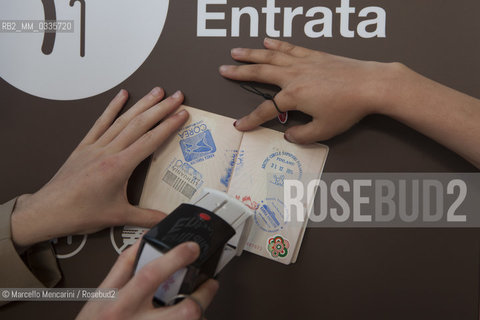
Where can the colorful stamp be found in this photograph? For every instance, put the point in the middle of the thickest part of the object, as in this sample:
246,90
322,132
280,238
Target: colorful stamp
235,162
269,215
182,177
282,165
197,142
278,246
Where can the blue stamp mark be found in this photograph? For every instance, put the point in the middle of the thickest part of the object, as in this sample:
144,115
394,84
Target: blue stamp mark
277,179
269,215
282,165
197,142
234,160
182,177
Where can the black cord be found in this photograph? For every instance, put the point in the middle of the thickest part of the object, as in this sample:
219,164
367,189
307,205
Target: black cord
266,96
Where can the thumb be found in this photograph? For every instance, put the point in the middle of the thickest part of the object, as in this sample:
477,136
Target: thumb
307,133
145,218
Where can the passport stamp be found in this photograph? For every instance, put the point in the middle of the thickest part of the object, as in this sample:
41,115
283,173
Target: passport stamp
269,215
197,142
281,165
182,177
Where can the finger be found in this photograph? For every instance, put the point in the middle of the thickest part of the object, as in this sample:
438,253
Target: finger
189,309
286,48
143,104
254,72
151,140
145,121
145,218
204,295
261,56
107,118
122,270
264,112
146,281
307,133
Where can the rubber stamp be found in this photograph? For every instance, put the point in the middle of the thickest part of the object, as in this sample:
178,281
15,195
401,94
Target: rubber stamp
220,224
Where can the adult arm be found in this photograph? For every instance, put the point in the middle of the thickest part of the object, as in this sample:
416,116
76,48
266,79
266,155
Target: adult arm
88,193
135,294
338,92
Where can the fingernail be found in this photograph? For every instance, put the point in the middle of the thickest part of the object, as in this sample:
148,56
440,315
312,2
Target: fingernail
235,123
288,137
237,51
214,284
156,92
120,93
224,69
193,246
177,94
267,41
181,113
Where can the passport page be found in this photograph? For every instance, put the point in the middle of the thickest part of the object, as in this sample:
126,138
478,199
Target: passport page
264,162
200,154
252,167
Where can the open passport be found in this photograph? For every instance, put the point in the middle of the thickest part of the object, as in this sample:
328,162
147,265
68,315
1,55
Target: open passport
250,166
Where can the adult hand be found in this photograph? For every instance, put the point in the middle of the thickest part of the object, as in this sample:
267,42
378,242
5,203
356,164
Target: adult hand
88,193
134,300
336,91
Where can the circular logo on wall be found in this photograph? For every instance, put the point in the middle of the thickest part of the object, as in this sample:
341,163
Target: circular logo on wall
74,49
70,246
124,237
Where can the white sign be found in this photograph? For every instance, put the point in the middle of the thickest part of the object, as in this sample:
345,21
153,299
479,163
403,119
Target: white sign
110,41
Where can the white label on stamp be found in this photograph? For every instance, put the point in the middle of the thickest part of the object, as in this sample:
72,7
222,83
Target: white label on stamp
170,287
